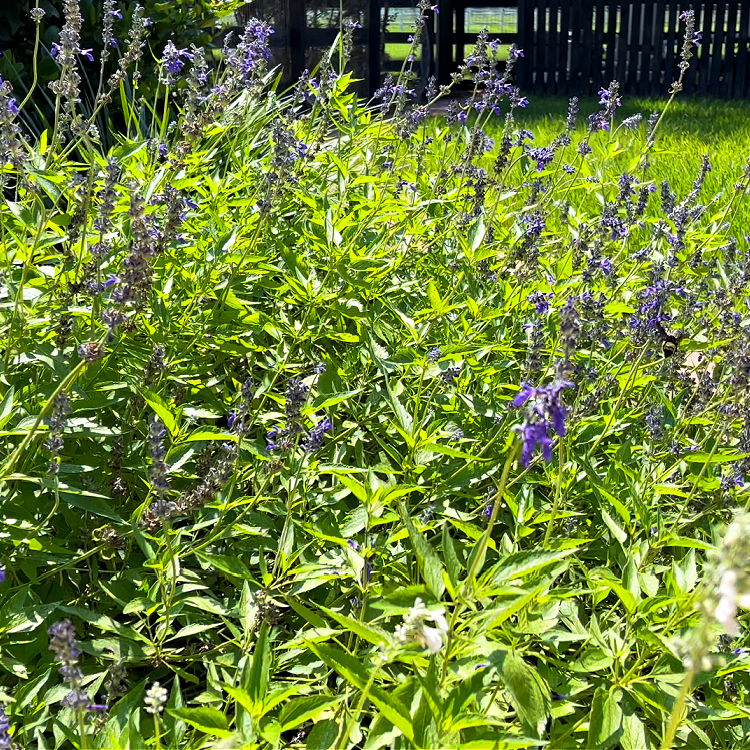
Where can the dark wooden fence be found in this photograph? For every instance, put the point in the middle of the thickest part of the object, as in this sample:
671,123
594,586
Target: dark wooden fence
577,46
571,46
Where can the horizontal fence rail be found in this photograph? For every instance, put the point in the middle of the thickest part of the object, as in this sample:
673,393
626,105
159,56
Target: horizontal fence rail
571,46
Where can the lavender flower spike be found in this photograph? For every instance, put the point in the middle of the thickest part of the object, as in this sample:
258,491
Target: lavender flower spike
545,412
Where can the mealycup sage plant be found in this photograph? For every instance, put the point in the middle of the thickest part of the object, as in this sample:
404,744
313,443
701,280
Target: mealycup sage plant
336,423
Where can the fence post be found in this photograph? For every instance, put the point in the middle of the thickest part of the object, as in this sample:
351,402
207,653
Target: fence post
523,76
297,24
373,45
444,41
460,6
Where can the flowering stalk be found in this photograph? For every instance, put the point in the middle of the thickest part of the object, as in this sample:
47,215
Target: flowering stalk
10,463
558,494
478,555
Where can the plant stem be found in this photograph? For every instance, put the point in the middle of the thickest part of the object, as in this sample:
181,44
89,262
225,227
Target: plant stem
341,744
558,494
480,552
676,715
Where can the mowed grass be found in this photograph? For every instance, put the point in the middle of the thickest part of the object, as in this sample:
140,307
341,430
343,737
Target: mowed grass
692,127
399,51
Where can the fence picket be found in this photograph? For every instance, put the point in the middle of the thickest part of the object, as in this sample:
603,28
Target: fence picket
656,85
598,53
727,64
740,85
571,46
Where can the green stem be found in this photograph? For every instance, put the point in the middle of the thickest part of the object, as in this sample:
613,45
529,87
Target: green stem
676,716
558,494
482,549
13,458
341,744
80,716
157,730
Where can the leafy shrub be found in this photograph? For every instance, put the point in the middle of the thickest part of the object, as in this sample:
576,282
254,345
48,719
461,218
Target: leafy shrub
336,425
193,23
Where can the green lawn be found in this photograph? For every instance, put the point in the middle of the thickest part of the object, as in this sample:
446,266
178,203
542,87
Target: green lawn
692,127
400,51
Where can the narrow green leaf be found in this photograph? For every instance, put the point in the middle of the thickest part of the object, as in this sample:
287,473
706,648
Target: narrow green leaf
299,710
605,720
369,633
161,409
230,565
529,694
204,718
429,563
355,673
260,667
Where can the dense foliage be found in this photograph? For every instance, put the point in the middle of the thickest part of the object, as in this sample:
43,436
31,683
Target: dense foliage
330,424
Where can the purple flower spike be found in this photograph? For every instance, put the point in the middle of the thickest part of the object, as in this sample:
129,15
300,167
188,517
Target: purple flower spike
526,393
545,413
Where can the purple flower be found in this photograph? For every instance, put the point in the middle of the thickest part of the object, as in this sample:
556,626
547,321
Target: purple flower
173,60
354,545
544,412
535,434
315,438
540,300
111,280
542,156
609,98
535,223
2,575
631,123
54,50
598,121
272,443
87,53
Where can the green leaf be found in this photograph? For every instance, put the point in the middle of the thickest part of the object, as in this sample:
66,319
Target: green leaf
633,730
429,563
230,565
6,405
434,296
323,735
529,694
257,681
605,720
451,558
521,564
299,710
161,409
369,633
205,718
355,673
